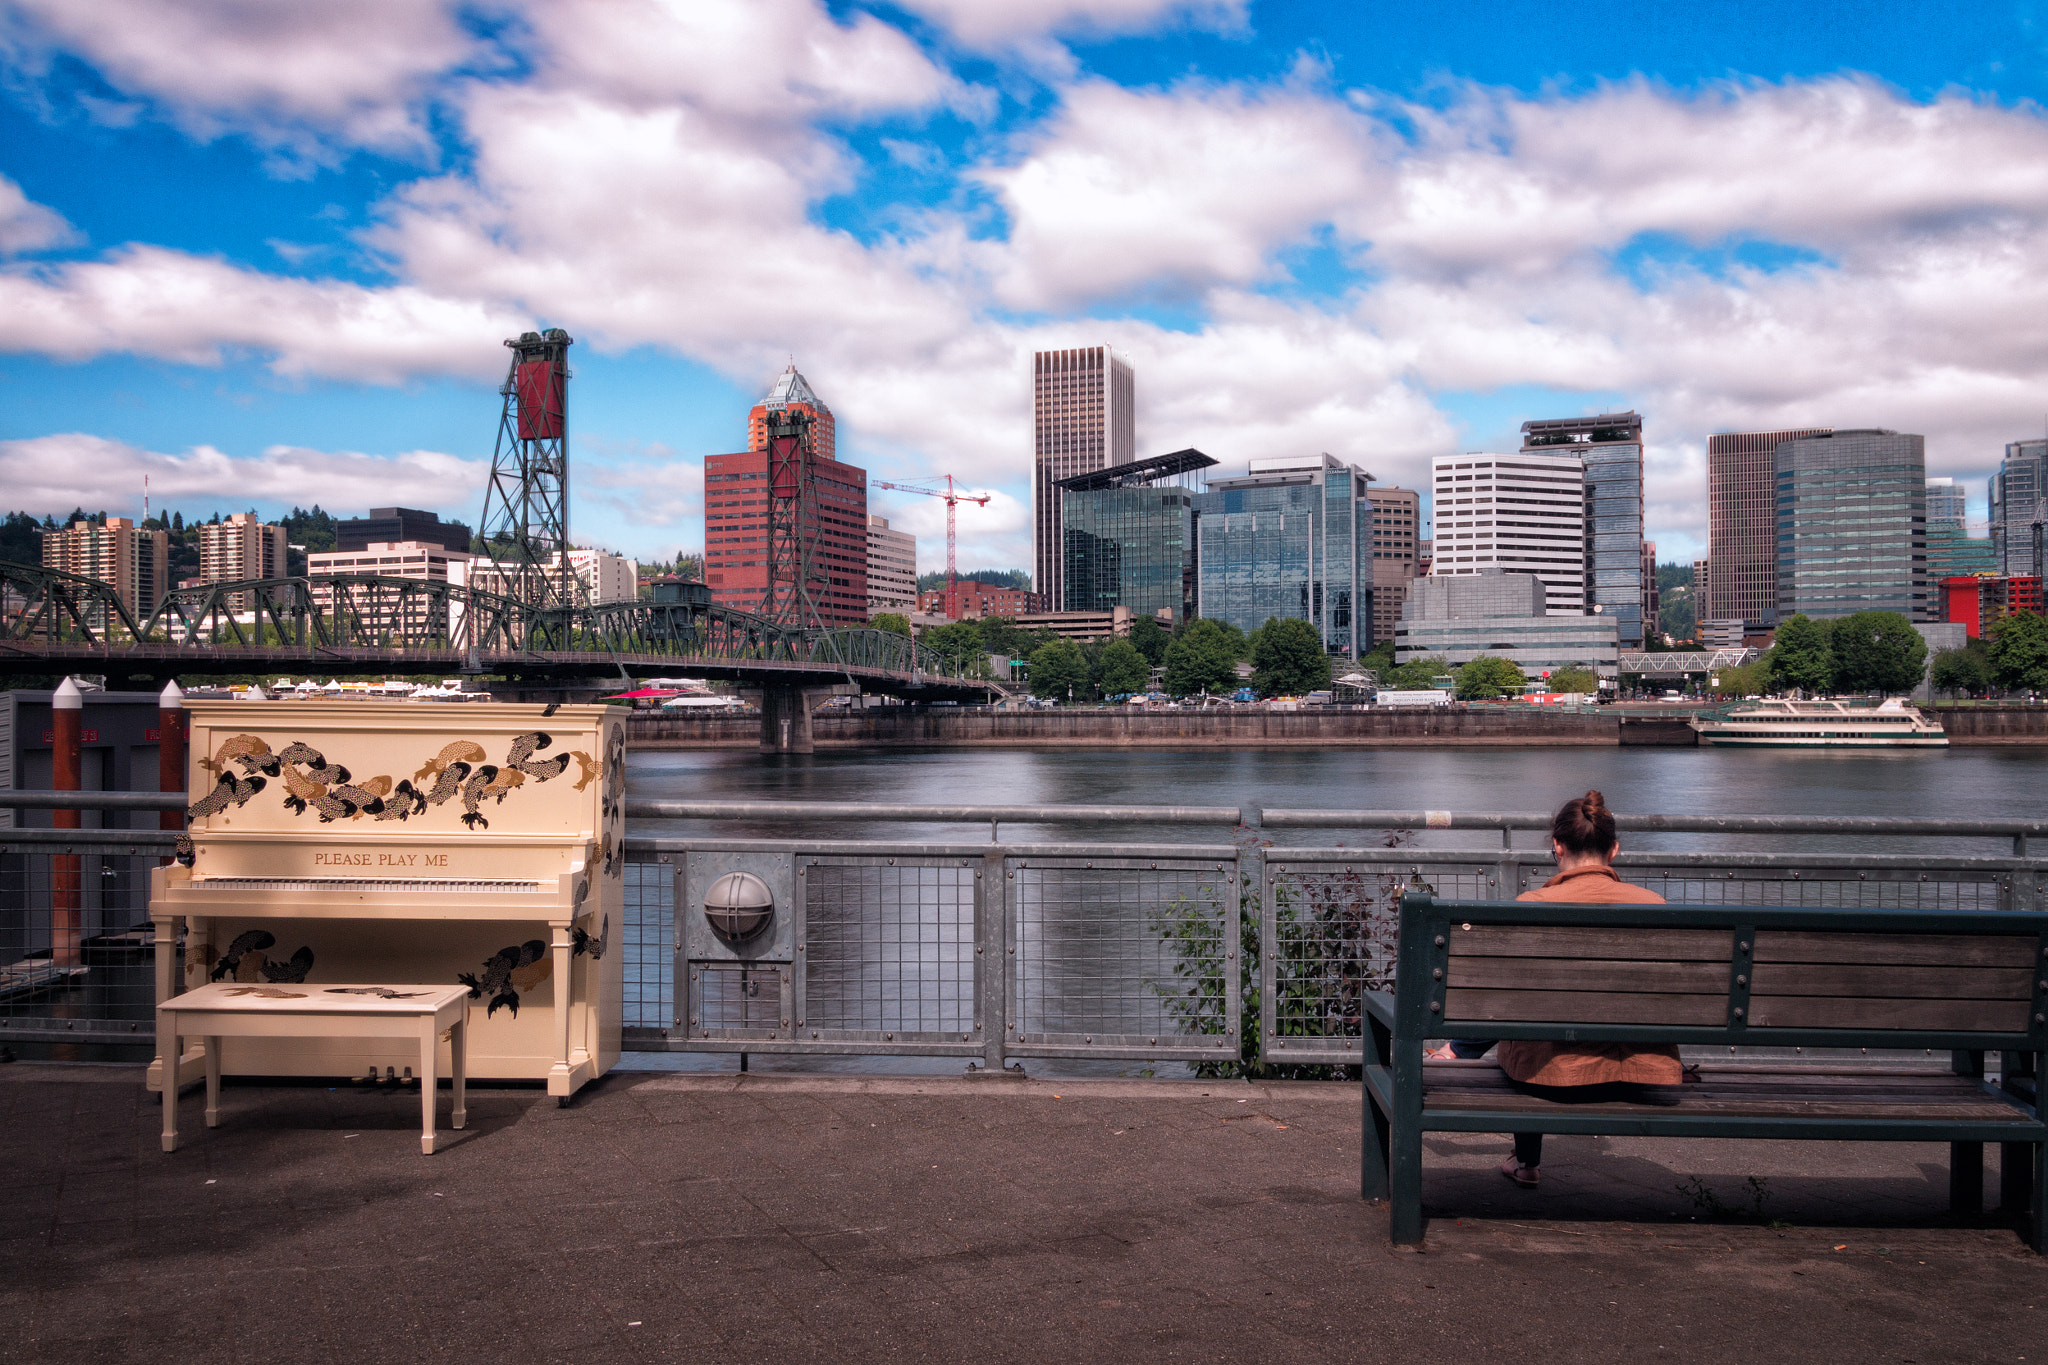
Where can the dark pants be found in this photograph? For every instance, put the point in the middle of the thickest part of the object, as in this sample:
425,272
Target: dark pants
1529,1146
1471,1049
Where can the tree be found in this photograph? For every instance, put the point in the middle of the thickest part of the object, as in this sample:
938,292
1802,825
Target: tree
1380,659
1877,651
2018,653
1121,669
894,622
1746,680
958,640
1203,658
1059,671
1149,640
1487,676
1961,670
1802,655
1288,658
1574,680
1419,674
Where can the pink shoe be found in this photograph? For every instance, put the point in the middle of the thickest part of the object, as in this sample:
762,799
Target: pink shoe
1525,1176
1441,1054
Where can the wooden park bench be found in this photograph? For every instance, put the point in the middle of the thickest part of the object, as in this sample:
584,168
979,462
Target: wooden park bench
1965,984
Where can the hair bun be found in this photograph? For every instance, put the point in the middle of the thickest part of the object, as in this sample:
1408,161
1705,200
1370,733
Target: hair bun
1593,802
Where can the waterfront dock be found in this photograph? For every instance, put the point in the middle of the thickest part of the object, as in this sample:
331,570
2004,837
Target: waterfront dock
721,1217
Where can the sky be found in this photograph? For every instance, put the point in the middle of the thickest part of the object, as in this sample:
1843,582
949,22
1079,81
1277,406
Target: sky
268,254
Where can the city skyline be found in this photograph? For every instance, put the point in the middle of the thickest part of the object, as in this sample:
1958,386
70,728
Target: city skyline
272,264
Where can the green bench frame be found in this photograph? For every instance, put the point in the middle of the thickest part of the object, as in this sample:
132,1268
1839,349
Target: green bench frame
1578,995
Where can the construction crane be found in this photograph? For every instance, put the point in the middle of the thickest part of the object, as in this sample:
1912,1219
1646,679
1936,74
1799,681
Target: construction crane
952,497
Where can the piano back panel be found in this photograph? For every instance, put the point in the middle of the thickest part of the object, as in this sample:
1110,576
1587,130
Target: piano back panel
371,834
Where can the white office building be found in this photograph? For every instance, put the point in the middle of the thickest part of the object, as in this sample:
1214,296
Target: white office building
1505,616
892,567
1520,513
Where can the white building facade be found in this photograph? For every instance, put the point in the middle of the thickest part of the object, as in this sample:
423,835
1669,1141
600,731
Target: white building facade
1517,513
892,567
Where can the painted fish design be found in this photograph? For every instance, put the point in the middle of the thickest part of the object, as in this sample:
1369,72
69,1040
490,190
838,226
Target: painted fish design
293,971
229,791
525,746
248,750
381,992
247,942
460,752
585,944
472,792
497,975
265,992
404,800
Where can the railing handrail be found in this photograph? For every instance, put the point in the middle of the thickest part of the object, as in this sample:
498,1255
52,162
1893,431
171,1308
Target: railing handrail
656,808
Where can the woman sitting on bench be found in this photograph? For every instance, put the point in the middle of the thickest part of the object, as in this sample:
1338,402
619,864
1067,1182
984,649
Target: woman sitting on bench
1583,838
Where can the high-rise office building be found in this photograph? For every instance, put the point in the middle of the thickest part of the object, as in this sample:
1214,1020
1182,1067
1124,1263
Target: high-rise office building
396,525
1951,553
1083,418
834,529
1396,527
892,567
1742,527
1652,599
2019,508
376,610
1130,539
1290,540
1610,446
1945,503
132,561
241,547
1852,524
1524,513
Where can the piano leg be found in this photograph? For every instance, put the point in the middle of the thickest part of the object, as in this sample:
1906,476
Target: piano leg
458,1066
212,1046
561,1076
430,1045
167,1052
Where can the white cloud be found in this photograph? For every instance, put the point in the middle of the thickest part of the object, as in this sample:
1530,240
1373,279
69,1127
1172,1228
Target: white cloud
27,226
60,471
988,24
194,310
296,78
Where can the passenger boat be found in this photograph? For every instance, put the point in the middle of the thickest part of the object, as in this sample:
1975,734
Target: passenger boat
1820,725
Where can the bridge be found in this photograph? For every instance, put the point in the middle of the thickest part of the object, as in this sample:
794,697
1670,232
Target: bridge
57,622
1685,663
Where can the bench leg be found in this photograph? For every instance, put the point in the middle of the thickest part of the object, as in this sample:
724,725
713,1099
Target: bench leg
167,1048
1966,1178
430,1084
1372,1175
2037,1163
1405,1177
2015,1176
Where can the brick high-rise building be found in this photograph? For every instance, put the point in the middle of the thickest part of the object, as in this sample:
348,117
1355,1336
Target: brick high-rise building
132,561
1083,404
736,548
1742,527
1396,526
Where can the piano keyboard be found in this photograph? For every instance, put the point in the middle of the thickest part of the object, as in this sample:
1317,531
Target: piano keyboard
436,885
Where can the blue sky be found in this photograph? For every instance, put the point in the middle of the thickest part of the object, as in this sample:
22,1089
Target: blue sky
267,255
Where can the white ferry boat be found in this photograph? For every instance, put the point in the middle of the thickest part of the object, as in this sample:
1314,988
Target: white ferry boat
1820,725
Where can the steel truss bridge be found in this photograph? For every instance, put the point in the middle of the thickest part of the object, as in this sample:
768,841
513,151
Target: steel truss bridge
52,622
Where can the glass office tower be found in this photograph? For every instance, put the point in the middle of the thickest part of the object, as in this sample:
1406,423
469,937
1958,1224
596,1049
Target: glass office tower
1610,446
2019,508
1129,536
1852,524
1284,542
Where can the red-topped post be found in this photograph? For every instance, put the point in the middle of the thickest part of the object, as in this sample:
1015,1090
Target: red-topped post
170,751
67,711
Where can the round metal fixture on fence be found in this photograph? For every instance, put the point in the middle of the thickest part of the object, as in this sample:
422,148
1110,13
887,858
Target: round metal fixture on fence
738,906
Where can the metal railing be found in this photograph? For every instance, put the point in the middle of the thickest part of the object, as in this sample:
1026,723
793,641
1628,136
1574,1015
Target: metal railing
974,943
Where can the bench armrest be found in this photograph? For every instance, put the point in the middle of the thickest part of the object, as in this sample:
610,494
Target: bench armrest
1380,1005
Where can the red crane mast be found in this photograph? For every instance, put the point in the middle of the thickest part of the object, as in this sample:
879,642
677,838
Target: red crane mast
952,498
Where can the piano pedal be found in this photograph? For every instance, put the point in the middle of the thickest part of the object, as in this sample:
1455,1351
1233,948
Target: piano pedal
409,1078
390,1075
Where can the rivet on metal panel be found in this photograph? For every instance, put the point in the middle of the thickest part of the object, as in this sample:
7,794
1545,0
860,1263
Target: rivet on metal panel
1154,1042
1439,940
1013,951
892,862
1436,974
799,1023
668,857
1436,1007
1742,947
1013,876
802,871
1742,981
1087,1038
693,1019
1738,1011
799,947
977,874
1231,955
814,1033
785,1023
977,952
2041,1018
888,1037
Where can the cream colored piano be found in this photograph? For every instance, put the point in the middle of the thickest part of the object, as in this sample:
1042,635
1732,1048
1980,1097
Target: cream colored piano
406,841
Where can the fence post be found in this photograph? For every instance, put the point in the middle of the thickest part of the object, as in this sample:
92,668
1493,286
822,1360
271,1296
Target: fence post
992,942
66,764
2022,888
1252,876
1508,871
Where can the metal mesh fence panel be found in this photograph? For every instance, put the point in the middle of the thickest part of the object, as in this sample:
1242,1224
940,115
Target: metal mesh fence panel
1107,951
650,963
730,998
86,971
889,946
1826,889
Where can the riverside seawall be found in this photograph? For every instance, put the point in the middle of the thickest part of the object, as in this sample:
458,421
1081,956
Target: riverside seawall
913,727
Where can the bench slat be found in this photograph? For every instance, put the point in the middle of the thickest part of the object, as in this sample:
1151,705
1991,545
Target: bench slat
1590,941
1570,974
1885,981
1846,1012
1586,1007
1920,950
1930,1095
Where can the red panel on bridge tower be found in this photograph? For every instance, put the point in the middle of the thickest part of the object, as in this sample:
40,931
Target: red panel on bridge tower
543,398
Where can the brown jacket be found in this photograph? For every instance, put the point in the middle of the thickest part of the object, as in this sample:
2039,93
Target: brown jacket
1542,1063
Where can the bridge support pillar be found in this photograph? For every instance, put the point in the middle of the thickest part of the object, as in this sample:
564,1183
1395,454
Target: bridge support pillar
785,721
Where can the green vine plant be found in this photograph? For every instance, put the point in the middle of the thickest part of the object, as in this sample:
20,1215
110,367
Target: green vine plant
1334,932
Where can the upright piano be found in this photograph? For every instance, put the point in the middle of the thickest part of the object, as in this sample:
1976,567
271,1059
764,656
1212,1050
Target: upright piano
406,842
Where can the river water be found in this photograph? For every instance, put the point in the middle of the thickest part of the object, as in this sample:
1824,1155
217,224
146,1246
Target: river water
1958,783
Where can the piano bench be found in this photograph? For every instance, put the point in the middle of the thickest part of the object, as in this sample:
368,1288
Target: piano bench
227,1009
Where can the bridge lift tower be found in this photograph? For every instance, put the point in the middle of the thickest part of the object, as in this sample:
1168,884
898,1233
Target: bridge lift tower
525,527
